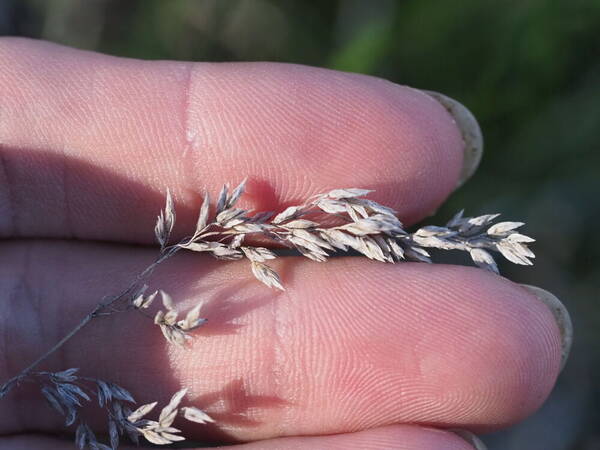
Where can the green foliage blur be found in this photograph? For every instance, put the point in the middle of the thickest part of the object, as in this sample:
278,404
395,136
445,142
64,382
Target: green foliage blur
528,69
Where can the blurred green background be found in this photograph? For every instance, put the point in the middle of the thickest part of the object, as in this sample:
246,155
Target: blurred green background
528,69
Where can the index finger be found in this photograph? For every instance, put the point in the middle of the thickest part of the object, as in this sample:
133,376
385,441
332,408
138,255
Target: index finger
90,142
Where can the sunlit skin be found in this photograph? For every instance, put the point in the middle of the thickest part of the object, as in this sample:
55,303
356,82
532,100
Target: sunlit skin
382,356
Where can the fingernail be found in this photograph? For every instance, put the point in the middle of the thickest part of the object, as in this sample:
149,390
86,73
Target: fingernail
563,319
470,131
471,439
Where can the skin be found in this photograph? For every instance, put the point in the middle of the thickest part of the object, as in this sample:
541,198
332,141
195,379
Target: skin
353,348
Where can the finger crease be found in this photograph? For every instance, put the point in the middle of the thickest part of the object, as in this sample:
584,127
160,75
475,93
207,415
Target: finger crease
188,136
21,305
278,364
11,213
68,223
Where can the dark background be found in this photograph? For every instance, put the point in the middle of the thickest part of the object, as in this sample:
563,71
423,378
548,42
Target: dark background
528,69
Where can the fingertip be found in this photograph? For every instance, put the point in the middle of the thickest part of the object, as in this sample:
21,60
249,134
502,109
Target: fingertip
317,129
511,351
396,437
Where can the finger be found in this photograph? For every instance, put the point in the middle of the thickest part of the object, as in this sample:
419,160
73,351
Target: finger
349,345
399,437
90,144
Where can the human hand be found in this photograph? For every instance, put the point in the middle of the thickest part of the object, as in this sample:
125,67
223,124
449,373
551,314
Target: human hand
384,356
